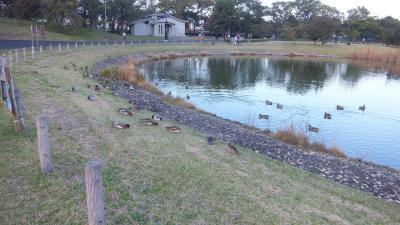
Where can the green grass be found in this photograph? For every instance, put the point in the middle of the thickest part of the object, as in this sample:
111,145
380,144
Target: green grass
152,176
16,29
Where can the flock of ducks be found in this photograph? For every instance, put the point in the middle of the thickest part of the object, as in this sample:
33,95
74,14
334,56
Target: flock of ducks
153,121
310,128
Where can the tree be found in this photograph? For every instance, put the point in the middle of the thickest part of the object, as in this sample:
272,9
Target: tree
122,12
58,11
306,9
322,28
223,18
359,13
90,10
390,30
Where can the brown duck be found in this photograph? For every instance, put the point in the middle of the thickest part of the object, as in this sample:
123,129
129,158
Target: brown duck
327,116
148,122
173,129
121,125
232,149
313,129
125,111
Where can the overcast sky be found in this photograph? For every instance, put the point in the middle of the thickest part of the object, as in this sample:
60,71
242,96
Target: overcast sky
380,8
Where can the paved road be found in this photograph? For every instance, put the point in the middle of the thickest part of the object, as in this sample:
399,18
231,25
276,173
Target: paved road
13,44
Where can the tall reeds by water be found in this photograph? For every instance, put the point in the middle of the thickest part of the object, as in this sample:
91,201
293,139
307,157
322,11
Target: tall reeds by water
389,59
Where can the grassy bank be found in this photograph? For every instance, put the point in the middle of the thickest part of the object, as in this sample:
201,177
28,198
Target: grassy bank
16,29
151,176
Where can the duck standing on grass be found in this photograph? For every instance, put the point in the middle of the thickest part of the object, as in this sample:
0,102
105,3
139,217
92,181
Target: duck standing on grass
98,87
90,98
173,129
156,118
232,149
121,125
211,140
73,89
125,111
148,122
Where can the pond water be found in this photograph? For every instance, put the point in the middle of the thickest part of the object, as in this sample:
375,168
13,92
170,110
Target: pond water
236,88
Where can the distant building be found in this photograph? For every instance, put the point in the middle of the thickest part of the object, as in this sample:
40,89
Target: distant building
157,24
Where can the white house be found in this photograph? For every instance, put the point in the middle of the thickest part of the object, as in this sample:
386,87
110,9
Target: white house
159,24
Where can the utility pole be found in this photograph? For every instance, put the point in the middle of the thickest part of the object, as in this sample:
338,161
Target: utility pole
105,15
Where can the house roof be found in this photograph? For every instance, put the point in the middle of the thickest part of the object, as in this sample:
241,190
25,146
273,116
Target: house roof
161,18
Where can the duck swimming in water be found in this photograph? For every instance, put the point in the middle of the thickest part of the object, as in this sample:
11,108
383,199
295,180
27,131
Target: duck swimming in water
187,96
261,116
327,116
339,107
279,106
173,129
268,102
121,125
313,129
362,108
125,111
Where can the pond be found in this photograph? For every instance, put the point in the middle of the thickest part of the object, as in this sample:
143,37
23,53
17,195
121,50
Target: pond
237,88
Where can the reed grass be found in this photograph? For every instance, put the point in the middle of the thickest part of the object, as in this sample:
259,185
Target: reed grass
292,136
387,59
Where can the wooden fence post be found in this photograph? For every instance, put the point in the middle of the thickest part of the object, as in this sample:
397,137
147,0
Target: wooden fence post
16,110
19,118
16,56
94,193
24,52
99,44
33,52
43,144
10,56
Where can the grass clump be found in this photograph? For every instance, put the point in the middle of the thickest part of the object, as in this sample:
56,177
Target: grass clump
292,136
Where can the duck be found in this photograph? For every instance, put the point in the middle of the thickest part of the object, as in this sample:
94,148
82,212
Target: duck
313,129
148,122
169,93
90,97
89,86
339,107
327,116
232,149
187,96
121,125
173,129
261,116
125,111
73,89
268,102
87,71
98,87
74,66
156,118
279,106
187,87
211,140
362,108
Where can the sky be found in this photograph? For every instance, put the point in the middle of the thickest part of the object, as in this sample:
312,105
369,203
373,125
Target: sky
380,8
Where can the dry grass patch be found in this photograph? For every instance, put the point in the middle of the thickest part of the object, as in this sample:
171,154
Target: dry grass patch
300,139
388,59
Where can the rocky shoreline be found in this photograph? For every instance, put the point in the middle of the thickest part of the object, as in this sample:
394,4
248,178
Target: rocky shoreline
381,181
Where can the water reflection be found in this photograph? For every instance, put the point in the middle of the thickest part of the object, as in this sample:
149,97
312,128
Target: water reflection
237,87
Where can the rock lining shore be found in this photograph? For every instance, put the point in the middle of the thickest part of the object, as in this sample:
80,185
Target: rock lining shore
381,181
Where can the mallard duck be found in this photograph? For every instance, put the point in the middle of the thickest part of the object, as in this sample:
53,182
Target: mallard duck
268,102
362,108
87,71
121,125
148,122
90,97
211,140
327,116
74,66
279,106
98,87
187,96
173,129
261,116
125,111
339,107
232,149
313,129
73,89
156,118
